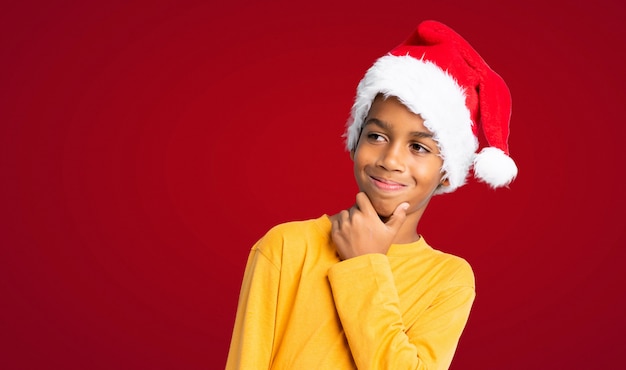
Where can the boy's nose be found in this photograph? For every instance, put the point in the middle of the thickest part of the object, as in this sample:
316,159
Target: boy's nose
392,159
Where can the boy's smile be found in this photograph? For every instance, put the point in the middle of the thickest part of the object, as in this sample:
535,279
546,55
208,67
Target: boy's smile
397,159
386,184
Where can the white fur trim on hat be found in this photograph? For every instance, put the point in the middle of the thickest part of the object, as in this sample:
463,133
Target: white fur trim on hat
432,93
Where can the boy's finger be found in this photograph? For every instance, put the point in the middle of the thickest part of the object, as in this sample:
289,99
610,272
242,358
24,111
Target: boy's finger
397,218
364,204
352,210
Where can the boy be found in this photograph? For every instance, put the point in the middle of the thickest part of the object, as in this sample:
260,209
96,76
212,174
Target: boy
362,289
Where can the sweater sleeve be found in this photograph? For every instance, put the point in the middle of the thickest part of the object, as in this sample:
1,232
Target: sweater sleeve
253,333
368,305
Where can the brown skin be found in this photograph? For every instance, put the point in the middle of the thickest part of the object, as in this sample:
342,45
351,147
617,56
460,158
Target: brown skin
397,166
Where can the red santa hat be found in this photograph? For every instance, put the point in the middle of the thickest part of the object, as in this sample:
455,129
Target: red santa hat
437,74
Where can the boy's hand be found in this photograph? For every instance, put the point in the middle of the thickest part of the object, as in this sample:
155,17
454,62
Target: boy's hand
360,231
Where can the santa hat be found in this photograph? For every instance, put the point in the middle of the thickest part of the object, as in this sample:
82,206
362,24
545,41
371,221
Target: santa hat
437,74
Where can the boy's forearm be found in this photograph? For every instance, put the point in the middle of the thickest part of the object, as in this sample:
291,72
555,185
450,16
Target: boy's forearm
368,305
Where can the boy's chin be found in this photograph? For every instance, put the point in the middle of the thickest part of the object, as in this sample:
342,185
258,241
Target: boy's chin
384,209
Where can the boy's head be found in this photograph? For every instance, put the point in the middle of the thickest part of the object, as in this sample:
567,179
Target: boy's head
435,73
397,159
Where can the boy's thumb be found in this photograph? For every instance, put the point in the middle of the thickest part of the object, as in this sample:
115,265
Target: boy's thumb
398,216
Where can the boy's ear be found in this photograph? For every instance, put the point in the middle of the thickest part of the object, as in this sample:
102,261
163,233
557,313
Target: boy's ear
444,181
352,155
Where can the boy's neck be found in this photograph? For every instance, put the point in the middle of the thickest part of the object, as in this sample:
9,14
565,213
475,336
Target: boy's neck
407,233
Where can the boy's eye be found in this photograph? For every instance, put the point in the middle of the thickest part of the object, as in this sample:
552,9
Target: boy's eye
372,136
416,147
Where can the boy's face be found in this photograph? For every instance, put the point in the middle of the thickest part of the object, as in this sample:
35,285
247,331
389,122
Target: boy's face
396,159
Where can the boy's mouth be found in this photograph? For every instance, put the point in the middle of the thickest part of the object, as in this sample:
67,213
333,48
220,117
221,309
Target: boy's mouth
386,184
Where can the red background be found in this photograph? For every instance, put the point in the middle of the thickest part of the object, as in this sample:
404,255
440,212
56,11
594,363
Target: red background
144,147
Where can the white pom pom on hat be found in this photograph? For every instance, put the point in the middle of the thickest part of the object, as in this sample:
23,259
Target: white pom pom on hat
437,74
494,167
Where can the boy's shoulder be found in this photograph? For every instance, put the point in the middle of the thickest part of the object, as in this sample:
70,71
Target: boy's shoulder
456,268
298,230
291,238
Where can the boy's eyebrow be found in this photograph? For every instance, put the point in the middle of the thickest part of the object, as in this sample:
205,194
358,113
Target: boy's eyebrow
386,126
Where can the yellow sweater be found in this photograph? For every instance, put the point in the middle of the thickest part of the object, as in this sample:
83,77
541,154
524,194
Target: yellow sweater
300,307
